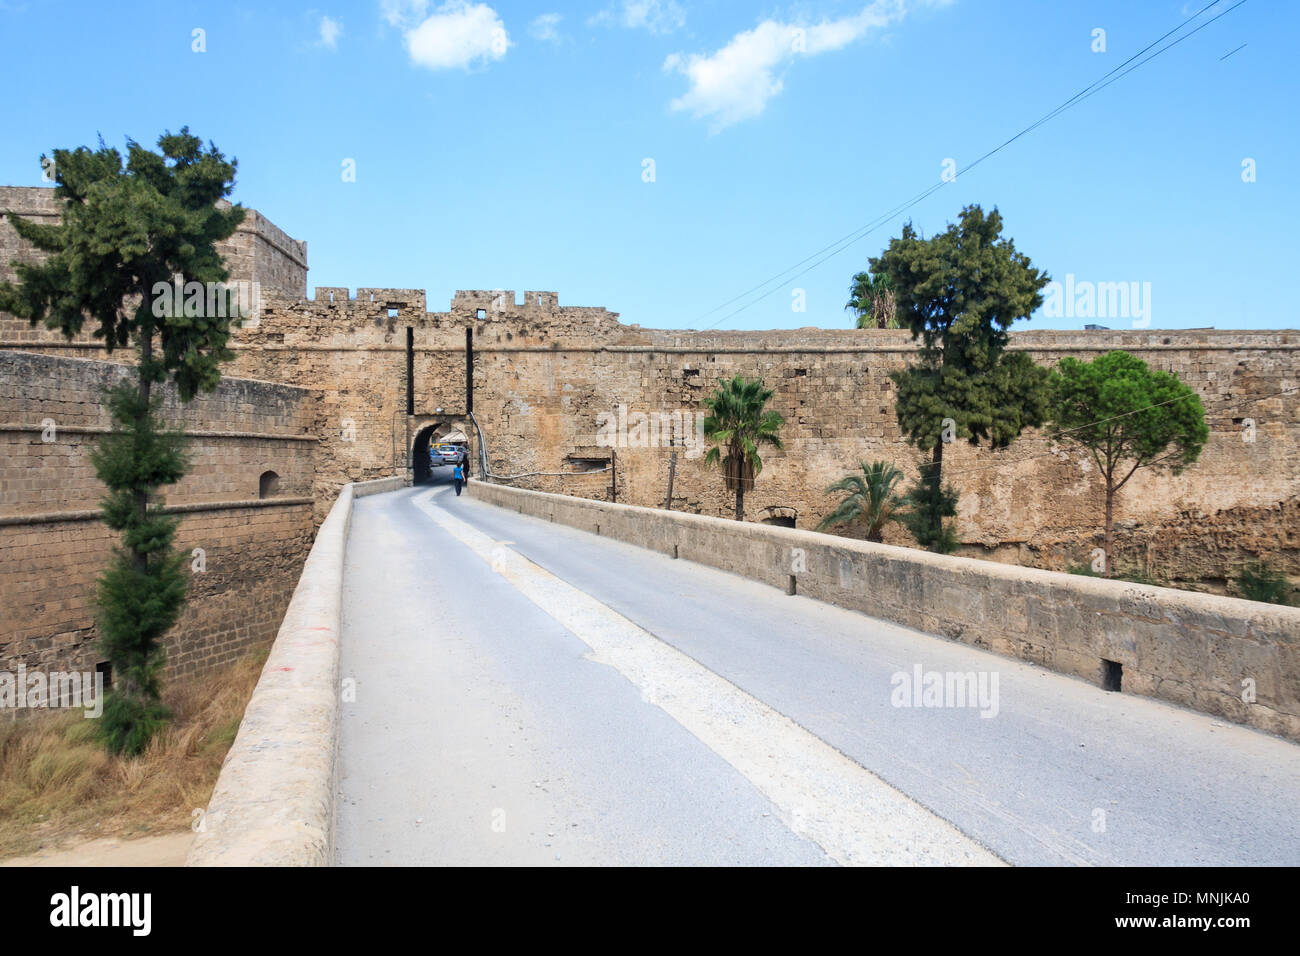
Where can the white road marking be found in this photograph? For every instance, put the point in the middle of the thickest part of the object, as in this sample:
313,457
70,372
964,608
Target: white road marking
822,795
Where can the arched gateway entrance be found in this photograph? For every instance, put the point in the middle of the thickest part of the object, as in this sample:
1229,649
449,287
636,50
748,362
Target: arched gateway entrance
423,468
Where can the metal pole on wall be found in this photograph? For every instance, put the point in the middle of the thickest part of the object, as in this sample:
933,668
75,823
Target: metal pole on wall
410,371
469,370
672,471
613,475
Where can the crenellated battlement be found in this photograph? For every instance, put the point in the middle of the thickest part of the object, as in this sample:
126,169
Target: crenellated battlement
503,302
381,298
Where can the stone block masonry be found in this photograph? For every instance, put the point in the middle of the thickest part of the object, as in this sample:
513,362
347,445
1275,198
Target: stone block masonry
247,533
545,374
1239,659
259,252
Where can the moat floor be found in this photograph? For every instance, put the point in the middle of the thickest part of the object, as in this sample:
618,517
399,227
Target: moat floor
169,849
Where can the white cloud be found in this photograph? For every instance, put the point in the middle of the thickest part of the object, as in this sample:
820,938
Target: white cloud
403,13
657,16
456,34
543,28
330,31
736,82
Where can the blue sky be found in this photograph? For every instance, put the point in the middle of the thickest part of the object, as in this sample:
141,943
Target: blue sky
504,145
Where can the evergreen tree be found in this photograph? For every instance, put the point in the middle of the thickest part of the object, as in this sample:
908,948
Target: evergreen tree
127,231
1127,417
925,506
958,292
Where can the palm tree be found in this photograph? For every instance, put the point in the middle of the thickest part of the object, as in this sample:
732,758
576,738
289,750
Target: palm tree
870,499
737,424
872,298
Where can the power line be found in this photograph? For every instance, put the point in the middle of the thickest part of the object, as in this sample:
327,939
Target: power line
1170,46
839,245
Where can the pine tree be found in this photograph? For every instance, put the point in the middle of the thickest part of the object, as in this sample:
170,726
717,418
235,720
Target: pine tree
958,292
128,230
1126,416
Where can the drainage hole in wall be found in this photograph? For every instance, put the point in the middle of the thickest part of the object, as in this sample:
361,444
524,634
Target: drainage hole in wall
1112,675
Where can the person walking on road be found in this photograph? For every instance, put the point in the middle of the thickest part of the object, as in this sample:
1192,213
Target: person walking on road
458,476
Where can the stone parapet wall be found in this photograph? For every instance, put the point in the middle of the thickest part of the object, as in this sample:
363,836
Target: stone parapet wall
273,804
1198,650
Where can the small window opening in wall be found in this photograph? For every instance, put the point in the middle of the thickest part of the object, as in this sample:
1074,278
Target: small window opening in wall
780,521
1112,675
268,486
105,670
392,313
480,313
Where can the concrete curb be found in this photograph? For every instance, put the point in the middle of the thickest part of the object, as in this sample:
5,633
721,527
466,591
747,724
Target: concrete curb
1202,651
273,804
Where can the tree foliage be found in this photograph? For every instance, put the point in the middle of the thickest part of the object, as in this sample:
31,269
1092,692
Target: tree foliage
869,498
142,591
872,300
1126,416
127,229
958,293
738,423
926,506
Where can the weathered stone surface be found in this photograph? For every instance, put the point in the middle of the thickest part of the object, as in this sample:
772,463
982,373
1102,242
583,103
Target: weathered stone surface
1070,623
53,545
273,804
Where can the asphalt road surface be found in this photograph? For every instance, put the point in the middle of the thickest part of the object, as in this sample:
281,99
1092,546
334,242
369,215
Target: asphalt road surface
519,692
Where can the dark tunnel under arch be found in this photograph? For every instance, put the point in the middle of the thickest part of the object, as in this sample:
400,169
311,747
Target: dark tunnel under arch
421,470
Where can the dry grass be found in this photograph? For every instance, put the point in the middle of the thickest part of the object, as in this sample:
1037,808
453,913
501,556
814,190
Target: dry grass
57,785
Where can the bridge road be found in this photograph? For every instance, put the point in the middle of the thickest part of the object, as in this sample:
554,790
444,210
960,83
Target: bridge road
526,693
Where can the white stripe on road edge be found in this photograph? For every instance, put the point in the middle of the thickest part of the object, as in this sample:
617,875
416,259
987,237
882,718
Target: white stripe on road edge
822,795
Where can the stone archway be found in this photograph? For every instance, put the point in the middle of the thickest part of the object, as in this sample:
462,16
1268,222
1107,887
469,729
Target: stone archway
422,471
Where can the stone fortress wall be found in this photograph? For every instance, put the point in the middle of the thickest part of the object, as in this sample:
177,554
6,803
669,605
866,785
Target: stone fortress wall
546,377
254,533
246,504
544,374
